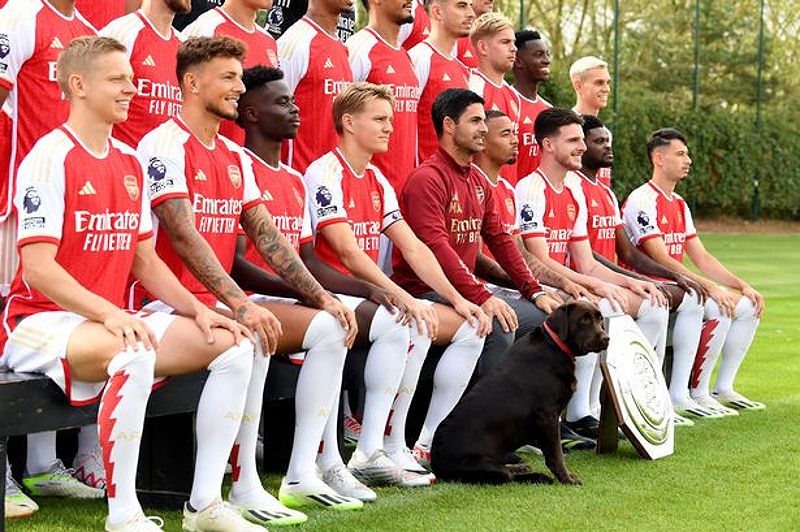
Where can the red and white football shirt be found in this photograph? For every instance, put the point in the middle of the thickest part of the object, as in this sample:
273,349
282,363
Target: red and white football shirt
153,58
93,208
367,202
466,53
215,182
376,61
32,35
316,68
504,204
101,12
529,154
545,212
284,195
602,213
498,98
413,33
650,213
6,190
436,73
261,50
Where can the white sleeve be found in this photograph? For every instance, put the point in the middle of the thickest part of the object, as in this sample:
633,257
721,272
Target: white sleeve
305,232
165,172
325,197
17,42
476,84
617,216
293,57
391,209
579,230
530,207
252,195
146,219
641,219
358,56
691,230
39,198
123,29
421,59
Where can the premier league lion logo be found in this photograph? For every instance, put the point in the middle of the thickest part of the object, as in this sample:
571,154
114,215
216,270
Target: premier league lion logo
324,197
5,45
32,201
526,214
156,169
643,220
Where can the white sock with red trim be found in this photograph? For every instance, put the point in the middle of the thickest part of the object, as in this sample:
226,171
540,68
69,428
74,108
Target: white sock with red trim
120,421
383,373
219,414
737,343
317,388
246,483
451,378
685,339
712,337
395,434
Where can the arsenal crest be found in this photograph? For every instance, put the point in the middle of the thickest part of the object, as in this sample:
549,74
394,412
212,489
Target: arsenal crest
480,194
132,186
376,201
298,197
571,212
510,206
235,174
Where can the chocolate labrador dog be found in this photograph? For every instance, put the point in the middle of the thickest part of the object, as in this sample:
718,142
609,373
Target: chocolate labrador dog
519,402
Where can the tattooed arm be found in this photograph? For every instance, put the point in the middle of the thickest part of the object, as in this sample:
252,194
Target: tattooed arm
177,219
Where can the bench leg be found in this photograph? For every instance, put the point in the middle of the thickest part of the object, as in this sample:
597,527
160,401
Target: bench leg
166,461
3,442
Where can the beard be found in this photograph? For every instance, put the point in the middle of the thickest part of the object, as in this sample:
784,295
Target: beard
221,113
566,162
181,7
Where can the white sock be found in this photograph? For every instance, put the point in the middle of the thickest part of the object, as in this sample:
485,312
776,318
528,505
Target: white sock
451,378
122,409
594,391
41,454
653,321
386,363
685,340
346,410
88,440
246,483
395,435
579,405
737,343
712,337
328,454
219,415
317,388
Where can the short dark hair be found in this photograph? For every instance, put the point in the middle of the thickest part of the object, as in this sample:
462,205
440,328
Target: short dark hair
551,120
523,36
494,113
663,137
253,79
451,103
591,122
198,50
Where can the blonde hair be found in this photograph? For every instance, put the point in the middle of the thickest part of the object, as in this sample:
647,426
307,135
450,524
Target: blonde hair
78,56
355,97
487,25
584,64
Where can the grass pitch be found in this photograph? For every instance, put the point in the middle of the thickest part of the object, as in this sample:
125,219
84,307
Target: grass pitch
727,474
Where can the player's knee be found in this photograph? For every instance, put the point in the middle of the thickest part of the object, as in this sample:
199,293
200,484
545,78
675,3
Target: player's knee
324,329
467,335
606,308
745,309
236,360
140,362
385,328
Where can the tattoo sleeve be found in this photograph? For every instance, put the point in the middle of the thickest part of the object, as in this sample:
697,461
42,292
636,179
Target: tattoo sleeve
177,218
279,254
540,271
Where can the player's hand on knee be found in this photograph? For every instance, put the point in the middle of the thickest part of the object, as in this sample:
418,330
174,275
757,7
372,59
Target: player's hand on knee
758,300
422,315
502,311
381,296
207,320
130,330
547,303
689,285
614,295
263,324
725,301
476,317
345,317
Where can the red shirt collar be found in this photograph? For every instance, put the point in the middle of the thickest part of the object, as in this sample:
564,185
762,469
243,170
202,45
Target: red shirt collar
452,163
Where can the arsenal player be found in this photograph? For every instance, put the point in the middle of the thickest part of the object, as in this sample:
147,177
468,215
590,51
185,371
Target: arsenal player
465,48
351,205
553,226
437,67
609,242
201,192
592,85
237,19
531,69
152,45
84,228
492,36
450,208
375,57
659,222
416,30
316,67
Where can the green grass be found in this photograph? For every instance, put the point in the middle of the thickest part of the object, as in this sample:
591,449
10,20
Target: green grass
728,474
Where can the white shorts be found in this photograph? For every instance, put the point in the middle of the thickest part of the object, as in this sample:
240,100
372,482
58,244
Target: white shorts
39,345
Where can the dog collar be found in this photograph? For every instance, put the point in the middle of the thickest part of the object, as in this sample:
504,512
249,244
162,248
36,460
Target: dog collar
558,341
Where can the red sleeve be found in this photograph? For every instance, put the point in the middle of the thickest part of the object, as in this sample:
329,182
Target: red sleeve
425,201
505,250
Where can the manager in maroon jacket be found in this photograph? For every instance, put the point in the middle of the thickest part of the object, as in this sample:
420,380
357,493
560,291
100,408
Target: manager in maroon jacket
447,204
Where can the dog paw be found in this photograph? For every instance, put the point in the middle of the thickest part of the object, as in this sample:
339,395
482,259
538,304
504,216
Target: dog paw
570,478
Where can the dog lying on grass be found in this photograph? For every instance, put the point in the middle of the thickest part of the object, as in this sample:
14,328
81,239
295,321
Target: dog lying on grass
519,402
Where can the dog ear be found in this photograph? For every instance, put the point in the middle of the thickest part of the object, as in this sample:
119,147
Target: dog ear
558,320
